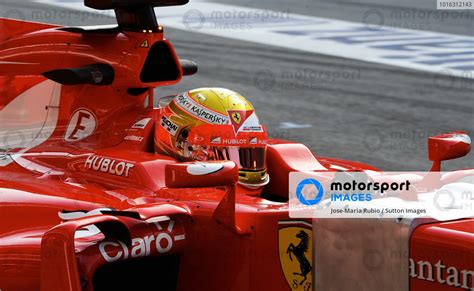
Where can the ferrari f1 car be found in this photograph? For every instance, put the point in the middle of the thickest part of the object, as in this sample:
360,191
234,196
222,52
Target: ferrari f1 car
87,202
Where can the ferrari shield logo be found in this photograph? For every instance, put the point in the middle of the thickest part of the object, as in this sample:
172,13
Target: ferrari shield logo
296,253
237,117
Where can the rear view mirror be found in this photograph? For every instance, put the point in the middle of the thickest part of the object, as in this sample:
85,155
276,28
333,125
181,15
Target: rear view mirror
447,146
201,174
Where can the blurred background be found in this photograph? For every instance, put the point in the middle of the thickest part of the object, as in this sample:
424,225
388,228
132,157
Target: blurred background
362,80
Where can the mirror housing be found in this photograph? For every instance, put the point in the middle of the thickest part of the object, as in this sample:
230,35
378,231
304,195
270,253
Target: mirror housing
447,146
189,67
201,174
131,4
134,15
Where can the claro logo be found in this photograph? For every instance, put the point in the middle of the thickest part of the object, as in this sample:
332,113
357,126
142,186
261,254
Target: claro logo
160,243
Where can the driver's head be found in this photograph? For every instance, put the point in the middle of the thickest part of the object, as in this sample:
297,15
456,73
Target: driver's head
214,124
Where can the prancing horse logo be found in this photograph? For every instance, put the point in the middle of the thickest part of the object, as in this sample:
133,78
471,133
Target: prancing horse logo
299,252
236,117
295,249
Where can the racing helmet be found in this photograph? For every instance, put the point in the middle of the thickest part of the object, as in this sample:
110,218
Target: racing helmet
210,124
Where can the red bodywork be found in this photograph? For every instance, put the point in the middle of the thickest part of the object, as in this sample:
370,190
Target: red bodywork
442,256
72,149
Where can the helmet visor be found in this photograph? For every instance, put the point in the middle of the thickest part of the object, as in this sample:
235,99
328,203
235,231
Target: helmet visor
246,158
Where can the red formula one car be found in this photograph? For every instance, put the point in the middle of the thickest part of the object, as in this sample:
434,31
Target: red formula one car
88,201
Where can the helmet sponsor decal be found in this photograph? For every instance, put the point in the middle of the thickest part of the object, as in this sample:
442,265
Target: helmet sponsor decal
215,139
109,166
83,123
252,124
296,253
252,128
234,141
141,124
186,103
238,118
169,125
255,141
244,121
200,169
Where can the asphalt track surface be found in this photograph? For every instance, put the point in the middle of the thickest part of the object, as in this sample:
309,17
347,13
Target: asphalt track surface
372,113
